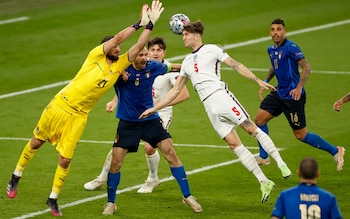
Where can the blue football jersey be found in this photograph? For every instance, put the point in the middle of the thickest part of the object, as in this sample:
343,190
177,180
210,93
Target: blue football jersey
306,201
135,94
284,60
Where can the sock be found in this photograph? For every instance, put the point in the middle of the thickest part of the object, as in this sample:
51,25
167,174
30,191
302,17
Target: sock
181,178
112,185
153,163
268,146
26,156
58,181
262,153
106,166
53,195
248,160
318,142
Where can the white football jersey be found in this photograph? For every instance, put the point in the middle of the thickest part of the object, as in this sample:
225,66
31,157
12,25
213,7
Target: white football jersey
202,67
161,85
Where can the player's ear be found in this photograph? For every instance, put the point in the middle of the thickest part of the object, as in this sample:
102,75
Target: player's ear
318,173
298,172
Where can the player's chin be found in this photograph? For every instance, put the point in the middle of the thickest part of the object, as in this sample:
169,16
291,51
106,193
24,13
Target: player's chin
143,65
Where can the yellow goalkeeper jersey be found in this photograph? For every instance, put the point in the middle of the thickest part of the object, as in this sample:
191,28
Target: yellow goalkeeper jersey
92,81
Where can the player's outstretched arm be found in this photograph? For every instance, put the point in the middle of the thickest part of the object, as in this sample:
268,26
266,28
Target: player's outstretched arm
183,96
244,71
337,104
268,78
127,32
170,96
153,14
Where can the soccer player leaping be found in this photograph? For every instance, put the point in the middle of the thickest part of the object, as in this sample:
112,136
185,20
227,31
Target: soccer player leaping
64,119
223,109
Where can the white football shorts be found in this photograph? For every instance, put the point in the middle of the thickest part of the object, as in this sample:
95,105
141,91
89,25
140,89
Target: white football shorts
224,111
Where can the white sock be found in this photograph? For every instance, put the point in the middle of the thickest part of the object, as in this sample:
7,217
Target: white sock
248,160
53,195
106,166
19,174
153,163
268,146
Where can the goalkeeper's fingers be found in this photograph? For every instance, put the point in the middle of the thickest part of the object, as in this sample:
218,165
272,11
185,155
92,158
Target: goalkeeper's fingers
157,6
144,15
154,2
155,11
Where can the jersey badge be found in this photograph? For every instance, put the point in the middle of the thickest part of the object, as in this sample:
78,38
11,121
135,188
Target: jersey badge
148,74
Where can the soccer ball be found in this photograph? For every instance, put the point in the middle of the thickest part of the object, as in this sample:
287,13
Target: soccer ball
177,22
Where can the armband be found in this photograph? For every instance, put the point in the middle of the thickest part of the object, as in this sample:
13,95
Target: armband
168,68
149,26
137,25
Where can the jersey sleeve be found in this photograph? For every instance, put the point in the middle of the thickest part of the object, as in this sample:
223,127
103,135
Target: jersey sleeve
295,52
96,53
335,212
221,54
159,67
278,210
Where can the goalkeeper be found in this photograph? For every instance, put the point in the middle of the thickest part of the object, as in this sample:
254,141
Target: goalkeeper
64,119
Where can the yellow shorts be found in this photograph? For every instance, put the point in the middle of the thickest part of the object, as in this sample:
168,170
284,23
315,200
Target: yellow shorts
59,124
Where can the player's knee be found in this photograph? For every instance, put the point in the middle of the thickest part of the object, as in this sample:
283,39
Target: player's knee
299,136
36,143
64,162
259,121
149,150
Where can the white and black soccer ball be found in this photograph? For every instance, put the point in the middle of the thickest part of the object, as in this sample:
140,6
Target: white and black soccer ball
177,23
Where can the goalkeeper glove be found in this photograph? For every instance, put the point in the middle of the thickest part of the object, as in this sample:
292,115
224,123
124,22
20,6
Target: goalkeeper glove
156,11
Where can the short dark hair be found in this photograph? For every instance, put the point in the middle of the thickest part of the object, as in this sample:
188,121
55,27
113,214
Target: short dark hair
308,168
157,41
195,27
106,38
278,21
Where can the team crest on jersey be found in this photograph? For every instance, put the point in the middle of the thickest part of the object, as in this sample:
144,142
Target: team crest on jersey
137,81
280,55
148,74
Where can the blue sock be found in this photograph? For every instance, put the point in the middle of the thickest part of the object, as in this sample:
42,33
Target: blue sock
318,142
112,184
181,178
262,153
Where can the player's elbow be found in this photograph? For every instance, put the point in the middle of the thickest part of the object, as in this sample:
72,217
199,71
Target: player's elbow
185,94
